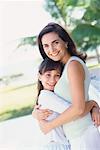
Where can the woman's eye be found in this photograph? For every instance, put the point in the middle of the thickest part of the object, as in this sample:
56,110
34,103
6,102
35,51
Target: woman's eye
45,46
56,42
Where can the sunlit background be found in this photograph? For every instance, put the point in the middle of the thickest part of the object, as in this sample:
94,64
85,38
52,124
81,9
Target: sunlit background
19,62
20,23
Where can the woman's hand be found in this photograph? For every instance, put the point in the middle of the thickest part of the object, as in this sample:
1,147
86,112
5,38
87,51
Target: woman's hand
45,126
40,114
95,113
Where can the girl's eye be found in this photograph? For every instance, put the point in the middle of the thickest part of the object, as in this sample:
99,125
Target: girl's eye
58,75
48,75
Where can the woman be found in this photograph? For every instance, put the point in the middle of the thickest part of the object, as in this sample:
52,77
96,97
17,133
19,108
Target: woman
54,42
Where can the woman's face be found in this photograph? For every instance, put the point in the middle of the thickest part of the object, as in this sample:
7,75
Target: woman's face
54,46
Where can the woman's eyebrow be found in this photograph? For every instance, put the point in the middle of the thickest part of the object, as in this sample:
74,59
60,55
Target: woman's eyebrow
55,40
51,42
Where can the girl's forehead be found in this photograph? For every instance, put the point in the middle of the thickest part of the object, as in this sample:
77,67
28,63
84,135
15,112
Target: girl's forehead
53,71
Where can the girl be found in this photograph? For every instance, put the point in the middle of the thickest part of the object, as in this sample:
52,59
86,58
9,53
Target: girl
54,42
49,74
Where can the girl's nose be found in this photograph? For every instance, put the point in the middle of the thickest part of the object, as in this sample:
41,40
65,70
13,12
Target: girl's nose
52,80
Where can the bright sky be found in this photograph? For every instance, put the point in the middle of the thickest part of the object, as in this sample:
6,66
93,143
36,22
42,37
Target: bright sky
21,18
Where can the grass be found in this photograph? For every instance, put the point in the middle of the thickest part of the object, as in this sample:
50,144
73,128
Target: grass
94,66
14,113
16,102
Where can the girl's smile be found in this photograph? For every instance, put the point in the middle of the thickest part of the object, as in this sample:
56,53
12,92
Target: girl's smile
49,79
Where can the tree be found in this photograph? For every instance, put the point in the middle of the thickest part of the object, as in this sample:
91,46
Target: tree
85,30
28,40
61,9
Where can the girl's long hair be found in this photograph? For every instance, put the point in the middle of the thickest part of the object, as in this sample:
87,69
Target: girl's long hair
47,65
62,33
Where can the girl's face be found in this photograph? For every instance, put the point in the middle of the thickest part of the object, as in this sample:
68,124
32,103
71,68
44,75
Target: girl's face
49,79
54,47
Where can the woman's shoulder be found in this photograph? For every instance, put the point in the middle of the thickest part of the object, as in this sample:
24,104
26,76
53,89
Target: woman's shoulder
74,63
74,60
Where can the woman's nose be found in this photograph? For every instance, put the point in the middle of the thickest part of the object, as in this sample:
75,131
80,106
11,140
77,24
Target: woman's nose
51,49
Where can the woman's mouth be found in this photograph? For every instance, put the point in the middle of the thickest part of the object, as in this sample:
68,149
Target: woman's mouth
55,54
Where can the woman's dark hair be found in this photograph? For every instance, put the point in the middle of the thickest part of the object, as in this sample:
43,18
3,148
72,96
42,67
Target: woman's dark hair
48,65
62,33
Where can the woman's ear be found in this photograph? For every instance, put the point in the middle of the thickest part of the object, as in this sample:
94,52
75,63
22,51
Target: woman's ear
39,76
66,45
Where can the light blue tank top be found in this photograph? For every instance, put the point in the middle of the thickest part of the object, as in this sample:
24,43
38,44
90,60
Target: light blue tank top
74,128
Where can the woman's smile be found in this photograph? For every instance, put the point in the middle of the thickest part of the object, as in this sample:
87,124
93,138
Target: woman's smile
54,46
55,53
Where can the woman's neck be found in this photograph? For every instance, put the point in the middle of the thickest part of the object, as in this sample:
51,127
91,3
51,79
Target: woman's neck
65,58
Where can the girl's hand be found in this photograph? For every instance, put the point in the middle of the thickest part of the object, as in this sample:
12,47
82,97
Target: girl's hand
95,113
41,114
45,126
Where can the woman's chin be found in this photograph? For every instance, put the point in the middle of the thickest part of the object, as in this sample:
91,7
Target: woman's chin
55,59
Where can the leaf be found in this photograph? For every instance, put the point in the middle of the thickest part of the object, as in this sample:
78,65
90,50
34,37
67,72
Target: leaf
91,15
85,30
28,40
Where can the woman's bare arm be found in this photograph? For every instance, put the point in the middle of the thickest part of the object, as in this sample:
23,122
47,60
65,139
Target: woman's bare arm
76,77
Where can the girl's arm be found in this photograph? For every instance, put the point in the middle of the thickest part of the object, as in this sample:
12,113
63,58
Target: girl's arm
94,109
95,113
40,114
89,106
55,103
51,101
59,105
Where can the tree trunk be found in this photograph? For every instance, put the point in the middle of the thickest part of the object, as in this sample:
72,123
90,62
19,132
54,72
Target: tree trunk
98,57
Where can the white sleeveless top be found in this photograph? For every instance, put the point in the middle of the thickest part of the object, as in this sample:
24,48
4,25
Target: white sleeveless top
77,127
